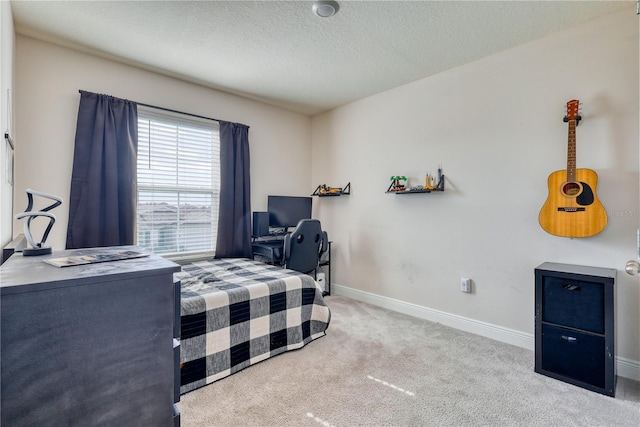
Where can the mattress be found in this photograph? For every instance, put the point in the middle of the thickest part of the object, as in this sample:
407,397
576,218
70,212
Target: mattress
238,312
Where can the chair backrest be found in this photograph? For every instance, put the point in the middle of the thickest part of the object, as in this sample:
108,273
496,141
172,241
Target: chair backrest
303,246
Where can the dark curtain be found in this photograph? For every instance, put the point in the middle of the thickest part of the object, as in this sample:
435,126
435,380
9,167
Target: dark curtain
102,204
234,218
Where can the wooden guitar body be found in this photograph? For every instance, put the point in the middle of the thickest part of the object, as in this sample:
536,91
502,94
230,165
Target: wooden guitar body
572,208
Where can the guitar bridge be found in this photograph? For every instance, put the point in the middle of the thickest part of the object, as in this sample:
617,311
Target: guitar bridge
561,209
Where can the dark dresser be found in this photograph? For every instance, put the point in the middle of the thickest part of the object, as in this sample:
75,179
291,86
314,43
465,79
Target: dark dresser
90,344
574,325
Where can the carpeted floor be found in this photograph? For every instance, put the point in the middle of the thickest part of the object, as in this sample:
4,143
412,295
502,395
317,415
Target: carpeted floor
376,367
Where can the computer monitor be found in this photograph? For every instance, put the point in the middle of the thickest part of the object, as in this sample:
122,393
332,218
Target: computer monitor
287,211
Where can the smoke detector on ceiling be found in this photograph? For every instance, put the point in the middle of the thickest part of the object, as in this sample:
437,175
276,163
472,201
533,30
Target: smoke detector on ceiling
325,9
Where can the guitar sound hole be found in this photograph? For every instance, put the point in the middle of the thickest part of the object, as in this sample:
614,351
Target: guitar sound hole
571,189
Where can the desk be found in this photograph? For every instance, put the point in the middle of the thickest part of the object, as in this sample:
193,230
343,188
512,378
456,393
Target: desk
325,261
271,252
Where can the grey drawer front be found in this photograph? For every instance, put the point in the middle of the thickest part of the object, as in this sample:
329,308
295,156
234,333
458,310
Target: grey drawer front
573,303
176,308
176,416
176,371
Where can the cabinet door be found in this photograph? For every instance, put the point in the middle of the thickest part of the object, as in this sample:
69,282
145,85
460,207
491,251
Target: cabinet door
573,354
573,303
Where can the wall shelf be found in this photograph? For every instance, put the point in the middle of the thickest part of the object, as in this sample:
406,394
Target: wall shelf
439,187
410,191
325,191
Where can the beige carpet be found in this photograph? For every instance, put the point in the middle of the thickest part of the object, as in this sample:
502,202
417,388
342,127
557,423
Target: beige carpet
376,367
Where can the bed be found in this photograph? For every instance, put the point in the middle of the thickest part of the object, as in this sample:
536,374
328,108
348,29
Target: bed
238,312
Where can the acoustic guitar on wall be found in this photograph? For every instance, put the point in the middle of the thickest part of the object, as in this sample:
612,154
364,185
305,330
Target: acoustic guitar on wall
572,208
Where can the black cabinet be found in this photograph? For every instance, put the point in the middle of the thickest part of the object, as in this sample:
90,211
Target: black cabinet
89,344
574,325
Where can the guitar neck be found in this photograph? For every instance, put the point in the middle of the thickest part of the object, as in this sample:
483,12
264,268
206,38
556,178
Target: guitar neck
571,152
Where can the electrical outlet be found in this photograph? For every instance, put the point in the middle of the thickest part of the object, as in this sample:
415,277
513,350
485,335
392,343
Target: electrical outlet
465,285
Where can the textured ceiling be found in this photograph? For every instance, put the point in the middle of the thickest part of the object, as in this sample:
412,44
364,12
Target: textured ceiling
281,53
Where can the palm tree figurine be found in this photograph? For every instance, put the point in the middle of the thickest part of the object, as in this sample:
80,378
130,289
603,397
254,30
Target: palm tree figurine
395,183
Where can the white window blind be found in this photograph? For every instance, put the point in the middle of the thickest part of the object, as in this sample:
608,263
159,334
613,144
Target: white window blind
178,184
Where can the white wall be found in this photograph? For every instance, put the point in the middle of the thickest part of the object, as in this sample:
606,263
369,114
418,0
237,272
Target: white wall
48,78
6,99
496,127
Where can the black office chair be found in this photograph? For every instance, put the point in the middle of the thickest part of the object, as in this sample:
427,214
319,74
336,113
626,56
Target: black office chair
304,246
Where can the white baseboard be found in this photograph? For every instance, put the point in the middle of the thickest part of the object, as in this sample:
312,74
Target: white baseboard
625,367
628,368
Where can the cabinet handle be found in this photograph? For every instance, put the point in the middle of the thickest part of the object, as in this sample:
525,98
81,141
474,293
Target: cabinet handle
571,287
571,340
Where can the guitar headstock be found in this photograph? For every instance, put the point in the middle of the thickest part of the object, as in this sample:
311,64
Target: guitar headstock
572,109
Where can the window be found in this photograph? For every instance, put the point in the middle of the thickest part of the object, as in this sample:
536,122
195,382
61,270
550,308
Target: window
178,184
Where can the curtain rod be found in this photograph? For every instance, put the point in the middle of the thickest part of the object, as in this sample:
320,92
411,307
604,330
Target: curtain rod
169,110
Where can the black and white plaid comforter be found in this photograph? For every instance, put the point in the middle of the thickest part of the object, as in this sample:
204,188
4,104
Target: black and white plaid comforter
237,312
